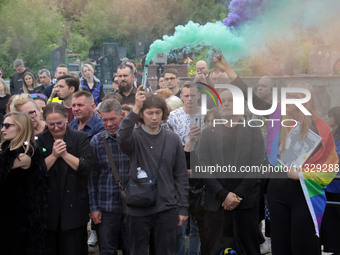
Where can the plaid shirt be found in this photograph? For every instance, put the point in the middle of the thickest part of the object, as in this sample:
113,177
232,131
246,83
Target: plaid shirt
103,191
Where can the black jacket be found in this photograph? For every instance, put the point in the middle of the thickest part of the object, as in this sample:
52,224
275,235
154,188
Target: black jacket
23,203
249,151
68,202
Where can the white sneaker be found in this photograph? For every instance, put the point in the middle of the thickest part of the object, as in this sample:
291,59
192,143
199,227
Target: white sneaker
264,247
92,241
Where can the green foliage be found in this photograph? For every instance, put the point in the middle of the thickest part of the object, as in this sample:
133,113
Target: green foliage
30,30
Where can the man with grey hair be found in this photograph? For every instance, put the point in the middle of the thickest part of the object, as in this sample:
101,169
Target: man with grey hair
45,77
106,209
17,78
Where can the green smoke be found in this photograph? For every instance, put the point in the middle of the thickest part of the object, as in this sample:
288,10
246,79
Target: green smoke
280,20
216,35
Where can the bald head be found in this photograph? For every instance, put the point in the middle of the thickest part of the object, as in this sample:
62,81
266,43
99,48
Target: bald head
264,88
202,67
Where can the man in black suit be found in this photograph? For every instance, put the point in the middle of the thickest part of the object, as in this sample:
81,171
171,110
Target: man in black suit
232,196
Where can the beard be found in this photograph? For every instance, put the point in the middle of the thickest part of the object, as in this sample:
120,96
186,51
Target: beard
125,88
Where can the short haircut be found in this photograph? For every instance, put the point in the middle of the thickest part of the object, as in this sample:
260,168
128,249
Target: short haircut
155,101
124,65
18,62
44,70
55,108
171,70
130,61
110,105
71,81
113,95
84,93
62,65
189,85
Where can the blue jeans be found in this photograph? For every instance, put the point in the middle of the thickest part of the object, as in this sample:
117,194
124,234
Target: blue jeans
180,248
194,241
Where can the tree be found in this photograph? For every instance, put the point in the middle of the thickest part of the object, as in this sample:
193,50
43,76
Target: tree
146,20
29,30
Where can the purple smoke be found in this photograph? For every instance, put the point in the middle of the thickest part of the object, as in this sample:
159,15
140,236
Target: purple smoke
242,11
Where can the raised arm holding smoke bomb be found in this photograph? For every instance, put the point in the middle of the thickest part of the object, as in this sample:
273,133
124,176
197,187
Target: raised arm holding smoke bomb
156,157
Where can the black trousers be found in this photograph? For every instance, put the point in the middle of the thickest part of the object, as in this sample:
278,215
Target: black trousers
69,242
163,225
292,228
109,232
330,227
218,230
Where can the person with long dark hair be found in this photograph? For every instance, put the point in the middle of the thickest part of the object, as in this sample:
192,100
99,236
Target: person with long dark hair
23,188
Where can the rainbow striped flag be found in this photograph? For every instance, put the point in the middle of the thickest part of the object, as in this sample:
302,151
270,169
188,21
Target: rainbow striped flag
313,183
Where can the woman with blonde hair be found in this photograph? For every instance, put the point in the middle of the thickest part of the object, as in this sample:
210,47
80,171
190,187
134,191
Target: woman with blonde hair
30,84
91,84
5,94
22,188
31,108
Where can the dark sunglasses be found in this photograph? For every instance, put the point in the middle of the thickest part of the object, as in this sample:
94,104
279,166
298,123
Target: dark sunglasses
38,96
6,125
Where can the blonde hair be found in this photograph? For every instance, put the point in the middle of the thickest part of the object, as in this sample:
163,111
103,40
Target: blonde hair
14,98
173,103
89,67
24,85
165,93
6,89
305,120
20,102
25,134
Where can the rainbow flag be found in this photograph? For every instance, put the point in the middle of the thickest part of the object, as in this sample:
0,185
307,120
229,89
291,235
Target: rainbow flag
313,183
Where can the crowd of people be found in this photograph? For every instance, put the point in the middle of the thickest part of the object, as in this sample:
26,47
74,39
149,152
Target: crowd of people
127,162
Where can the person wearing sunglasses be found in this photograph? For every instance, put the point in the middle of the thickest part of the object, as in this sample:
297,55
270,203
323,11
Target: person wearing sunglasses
31,108
23,188
69,159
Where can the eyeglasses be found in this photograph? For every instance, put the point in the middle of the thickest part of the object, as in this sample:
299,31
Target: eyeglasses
38,96
170,79
59,124
6,125
32,114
